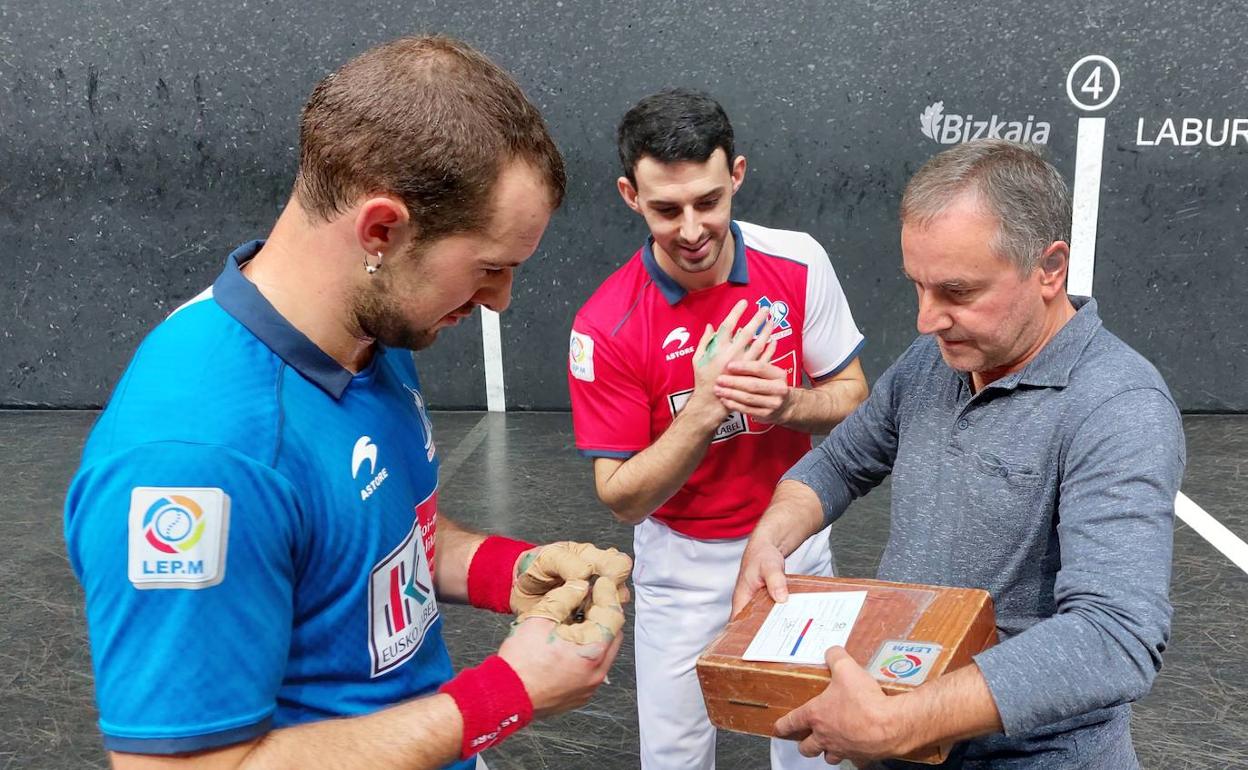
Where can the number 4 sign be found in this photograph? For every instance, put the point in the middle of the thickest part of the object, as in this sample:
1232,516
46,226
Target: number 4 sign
1099,81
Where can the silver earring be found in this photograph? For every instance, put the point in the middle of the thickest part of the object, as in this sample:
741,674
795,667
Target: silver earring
372,268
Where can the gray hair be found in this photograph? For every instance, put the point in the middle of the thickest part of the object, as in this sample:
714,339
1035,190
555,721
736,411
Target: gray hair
1013,182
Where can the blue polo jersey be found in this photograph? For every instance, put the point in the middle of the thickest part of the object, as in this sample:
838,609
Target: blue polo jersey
253,526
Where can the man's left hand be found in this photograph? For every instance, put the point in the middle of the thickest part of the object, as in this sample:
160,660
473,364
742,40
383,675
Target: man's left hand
852,719
759,389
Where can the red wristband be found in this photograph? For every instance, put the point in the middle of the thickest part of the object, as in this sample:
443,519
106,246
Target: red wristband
492,571
493,702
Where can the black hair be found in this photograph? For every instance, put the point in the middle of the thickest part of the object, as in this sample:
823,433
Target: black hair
676,124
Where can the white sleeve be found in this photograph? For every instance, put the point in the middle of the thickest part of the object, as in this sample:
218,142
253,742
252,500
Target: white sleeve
830,339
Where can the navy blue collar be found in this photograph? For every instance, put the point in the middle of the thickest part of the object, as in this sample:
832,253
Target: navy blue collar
241,299
673,292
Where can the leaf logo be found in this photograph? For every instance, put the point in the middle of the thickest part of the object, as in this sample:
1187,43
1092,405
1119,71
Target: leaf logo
929,121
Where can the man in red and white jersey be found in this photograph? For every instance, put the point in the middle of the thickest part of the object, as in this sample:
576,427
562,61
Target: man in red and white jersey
691,427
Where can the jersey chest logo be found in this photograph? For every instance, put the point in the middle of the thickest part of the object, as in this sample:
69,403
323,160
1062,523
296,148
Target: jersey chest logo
678,336
779,310
401,604
425,423
364,453
676,344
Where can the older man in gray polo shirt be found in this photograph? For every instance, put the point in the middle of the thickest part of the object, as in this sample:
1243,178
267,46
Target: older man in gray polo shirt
1033,454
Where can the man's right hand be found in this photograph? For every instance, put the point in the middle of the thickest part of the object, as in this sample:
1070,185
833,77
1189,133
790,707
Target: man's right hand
762,564
720,346
558,675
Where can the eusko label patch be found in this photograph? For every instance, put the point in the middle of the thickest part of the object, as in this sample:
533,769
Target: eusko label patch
401,603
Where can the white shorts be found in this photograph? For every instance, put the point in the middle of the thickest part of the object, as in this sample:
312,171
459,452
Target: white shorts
683,599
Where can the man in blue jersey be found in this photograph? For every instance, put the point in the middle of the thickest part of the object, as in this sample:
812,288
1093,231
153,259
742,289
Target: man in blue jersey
255,520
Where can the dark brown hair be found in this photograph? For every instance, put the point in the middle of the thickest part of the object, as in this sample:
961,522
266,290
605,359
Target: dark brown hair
674,125
427,119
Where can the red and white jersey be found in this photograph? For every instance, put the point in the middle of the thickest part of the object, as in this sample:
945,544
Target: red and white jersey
630,368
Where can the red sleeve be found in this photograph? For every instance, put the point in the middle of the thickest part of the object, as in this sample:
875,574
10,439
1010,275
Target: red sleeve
610,408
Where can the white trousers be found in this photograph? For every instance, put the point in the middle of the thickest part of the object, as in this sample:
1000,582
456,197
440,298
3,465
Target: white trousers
684,597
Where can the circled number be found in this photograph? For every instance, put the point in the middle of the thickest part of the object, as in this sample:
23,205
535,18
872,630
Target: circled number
1093,83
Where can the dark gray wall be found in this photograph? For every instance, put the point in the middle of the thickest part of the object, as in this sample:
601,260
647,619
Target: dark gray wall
140,141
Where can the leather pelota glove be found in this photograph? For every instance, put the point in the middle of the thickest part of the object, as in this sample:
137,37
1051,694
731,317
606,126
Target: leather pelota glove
555,564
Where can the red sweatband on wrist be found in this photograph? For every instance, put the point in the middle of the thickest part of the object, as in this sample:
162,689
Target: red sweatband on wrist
492,571
493,702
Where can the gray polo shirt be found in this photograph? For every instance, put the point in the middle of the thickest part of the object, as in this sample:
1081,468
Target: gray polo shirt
1053,489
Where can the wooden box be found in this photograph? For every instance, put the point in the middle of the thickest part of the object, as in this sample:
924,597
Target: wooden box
749,696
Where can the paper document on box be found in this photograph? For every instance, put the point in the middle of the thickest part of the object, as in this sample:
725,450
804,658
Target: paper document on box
804,627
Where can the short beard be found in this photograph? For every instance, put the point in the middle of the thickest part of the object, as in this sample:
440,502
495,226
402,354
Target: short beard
379,314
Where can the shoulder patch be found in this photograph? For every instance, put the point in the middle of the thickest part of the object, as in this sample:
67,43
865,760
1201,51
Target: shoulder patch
178,536
581,356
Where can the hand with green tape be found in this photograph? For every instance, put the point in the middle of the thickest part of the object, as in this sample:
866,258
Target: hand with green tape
720,346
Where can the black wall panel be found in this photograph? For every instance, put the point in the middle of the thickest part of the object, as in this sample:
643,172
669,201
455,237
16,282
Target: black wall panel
140,141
